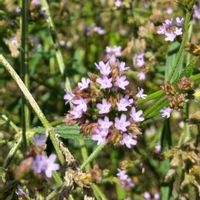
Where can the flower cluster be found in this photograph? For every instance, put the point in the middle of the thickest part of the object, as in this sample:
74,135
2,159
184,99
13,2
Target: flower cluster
104,107
171,28
125,180
41,162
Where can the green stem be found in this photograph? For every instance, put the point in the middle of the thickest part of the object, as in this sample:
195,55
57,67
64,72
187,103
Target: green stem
93,155
183,43
23,69
96,190
98,193
34,105
17,129
84,153
12,153
53,33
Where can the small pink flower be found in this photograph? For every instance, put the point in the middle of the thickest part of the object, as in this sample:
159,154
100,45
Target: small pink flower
166,112
118,3
139,60
81,104
124,103
122,67
125,179
99,30
121,82
104,107
104,68
122,174
105,123
100,136
147,195
113,51
68,97
51,166
76,113
121,124
136,115
141,76
105,82
128,141
141,94
84,83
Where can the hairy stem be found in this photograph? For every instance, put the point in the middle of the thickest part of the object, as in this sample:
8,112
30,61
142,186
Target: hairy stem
34,105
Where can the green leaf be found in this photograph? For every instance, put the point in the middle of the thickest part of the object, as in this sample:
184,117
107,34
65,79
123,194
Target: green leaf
154,109
166,143
66,132
189,69
171,58
70,132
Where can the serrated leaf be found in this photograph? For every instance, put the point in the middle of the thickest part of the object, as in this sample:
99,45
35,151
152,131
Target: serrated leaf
66,132
70,132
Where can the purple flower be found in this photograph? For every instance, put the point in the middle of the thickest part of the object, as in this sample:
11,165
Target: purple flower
136,115
99,30
113,51
68,97
124,103
104,107
169,10
141,94
84,83
21,192
51,165
105,123
121,123
139,60
171,28
35,2
45,164
105,82
156,196
39,163
128,141
81,104
147,195
118,3
122,174
196,12
125,179
141,76
76,113
39,140
122,67
121,82
100,136
166,112
104,68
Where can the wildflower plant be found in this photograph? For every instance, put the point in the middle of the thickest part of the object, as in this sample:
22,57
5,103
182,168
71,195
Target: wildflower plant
129,129
104,106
